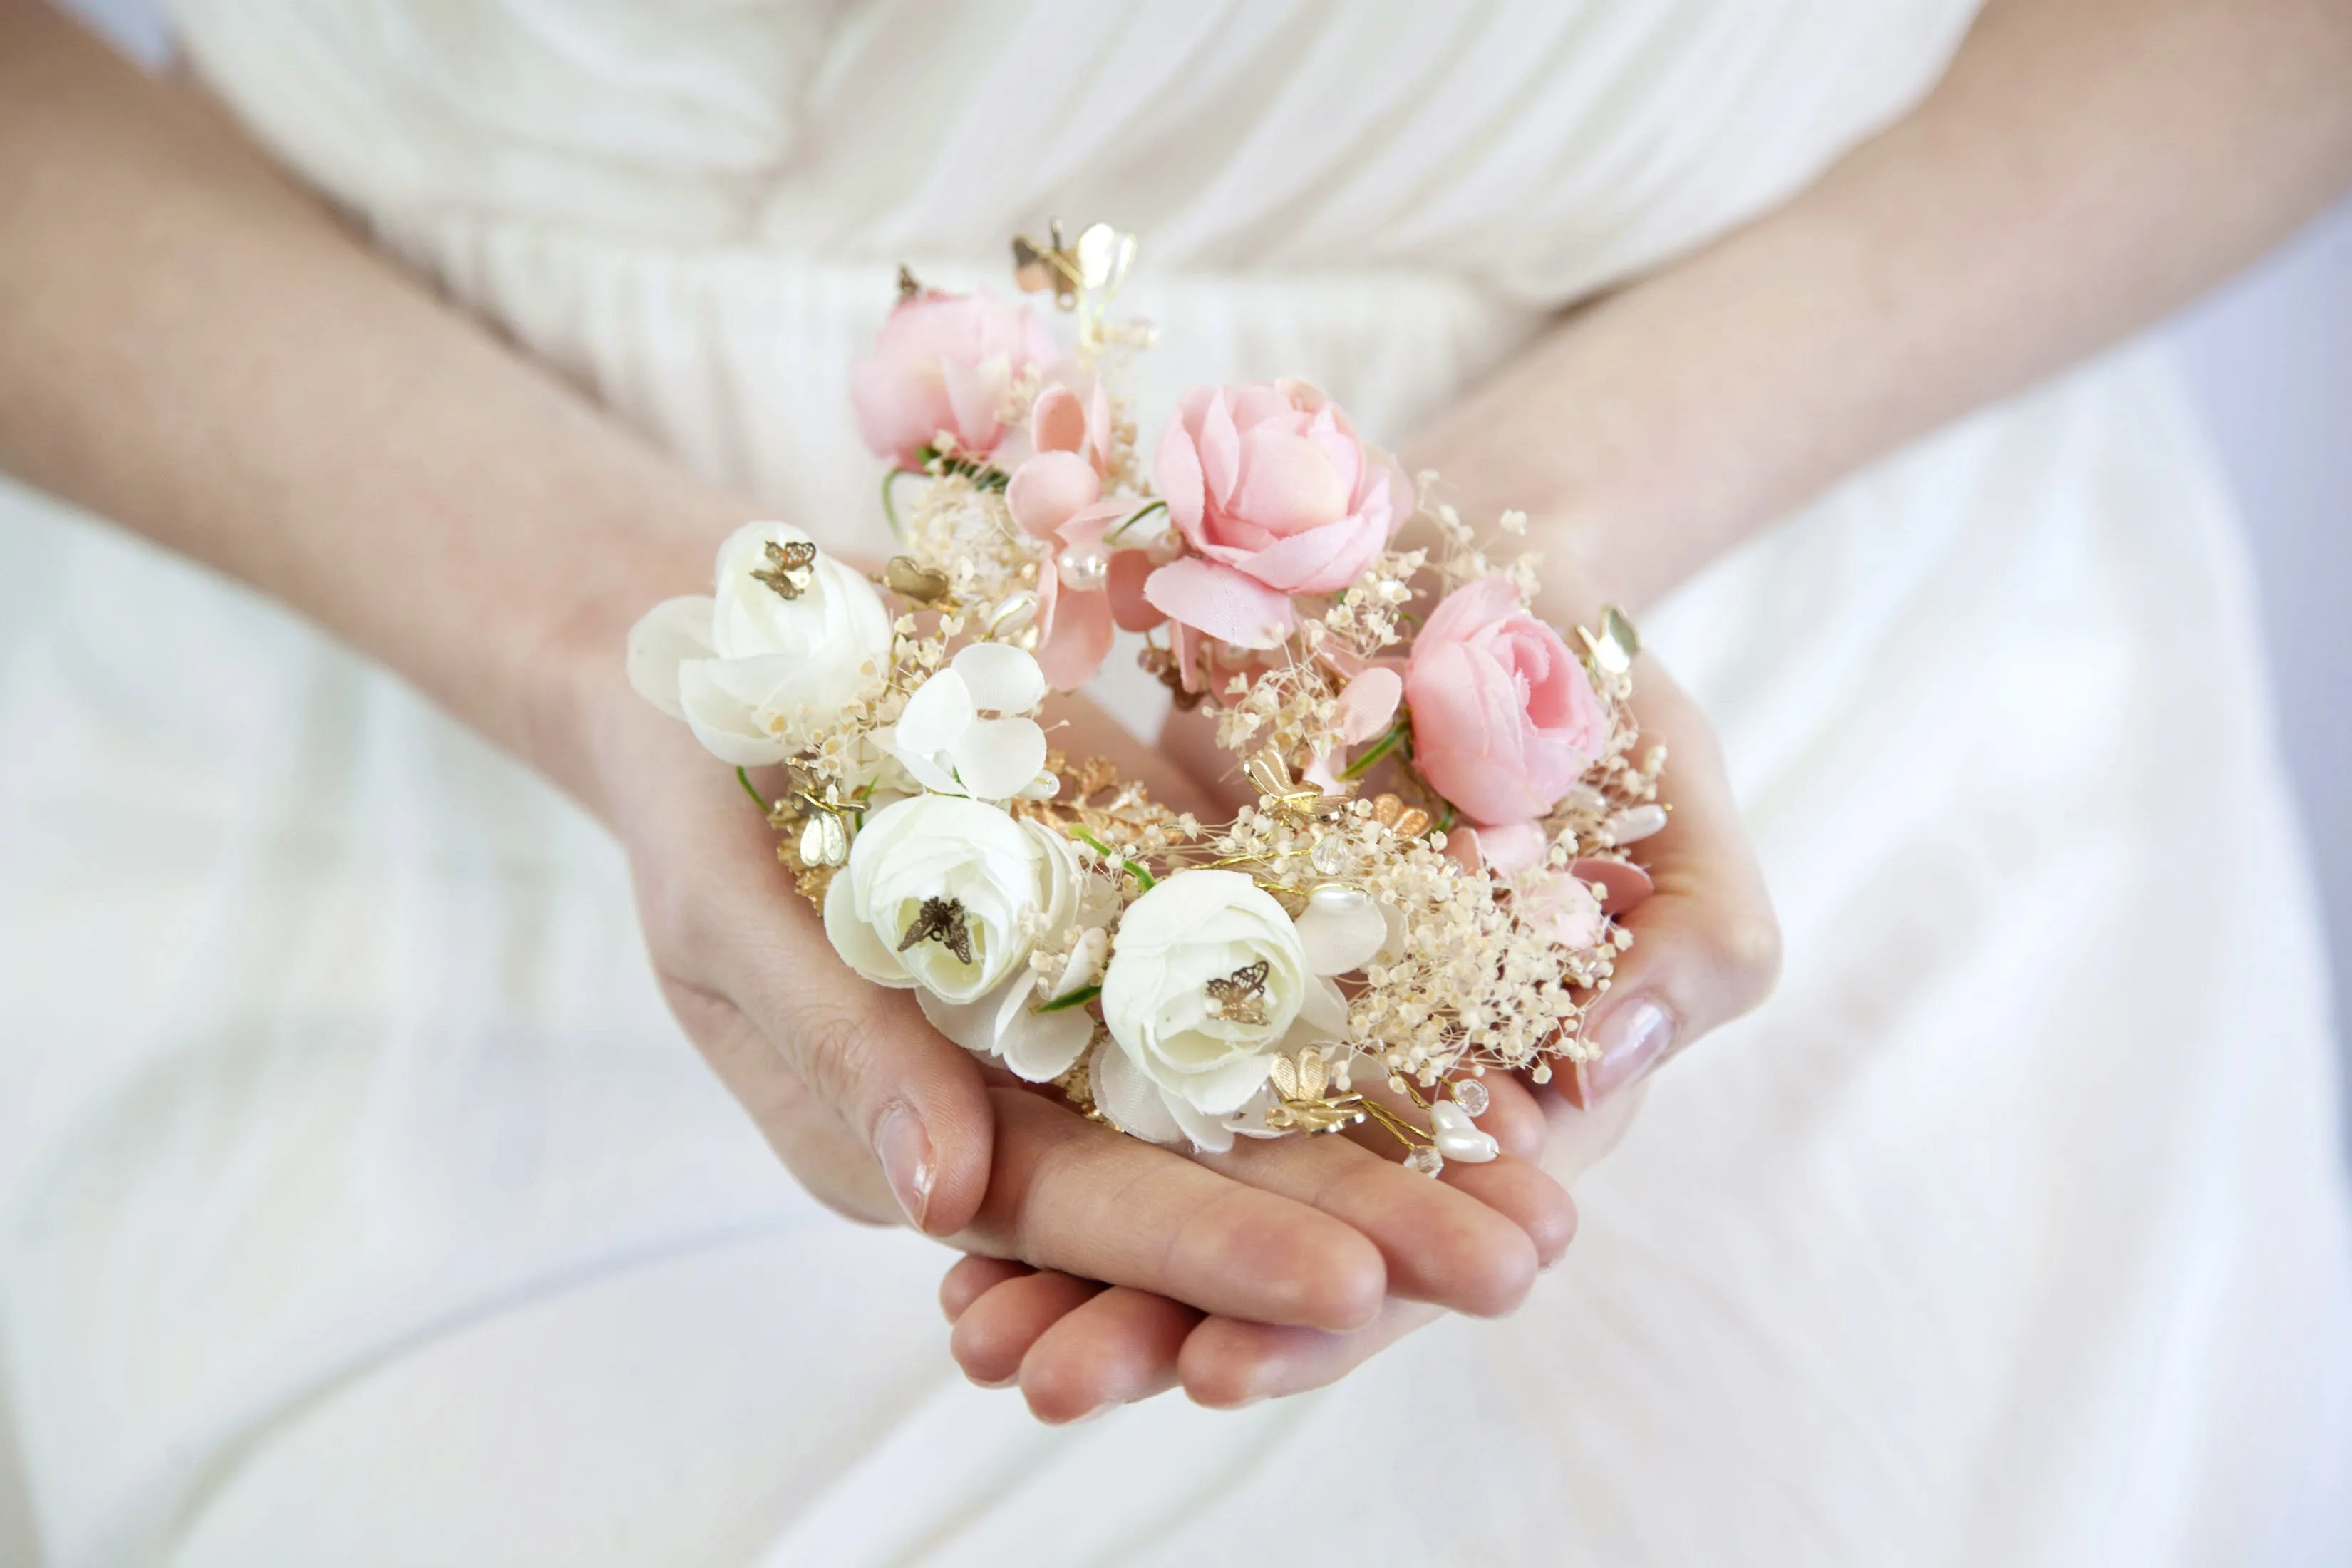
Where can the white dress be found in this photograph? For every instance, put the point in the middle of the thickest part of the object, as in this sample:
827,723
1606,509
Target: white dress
359,1204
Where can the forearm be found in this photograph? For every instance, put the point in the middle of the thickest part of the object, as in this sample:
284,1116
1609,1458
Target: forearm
192,345
2084,167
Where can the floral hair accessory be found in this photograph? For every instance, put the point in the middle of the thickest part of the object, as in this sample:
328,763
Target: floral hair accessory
1427,887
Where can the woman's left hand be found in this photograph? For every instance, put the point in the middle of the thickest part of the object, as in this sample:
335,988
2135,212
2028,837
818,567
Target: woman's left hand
1706,950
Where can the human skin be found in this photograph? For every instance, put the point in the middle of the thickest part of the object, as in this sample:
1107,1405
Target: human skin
2082,168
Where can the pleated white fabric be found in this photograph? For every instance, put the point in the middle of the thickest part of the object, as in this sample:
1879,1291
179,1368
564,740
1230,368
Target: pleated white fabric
359,1204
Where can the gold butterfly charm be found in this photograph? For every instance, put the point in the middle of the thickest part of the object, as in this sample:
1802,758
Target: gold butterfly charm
1098,260
1300,1105
940,920
1240,997
788,569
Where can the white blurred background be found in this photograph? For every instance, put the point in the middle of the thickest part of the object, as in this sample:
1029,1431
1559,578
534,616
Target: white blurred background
2270,358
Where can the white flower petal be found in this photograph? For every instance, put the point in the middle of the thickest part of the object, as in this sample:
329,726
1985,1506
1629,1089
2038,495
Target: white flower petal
936,716
972,1025
1220,1090
1003,679
1208,1133
665,637
722,720
1324,1010
1132,1102
1039,1046
1341,929
1085,961
995,757
860,946
930,772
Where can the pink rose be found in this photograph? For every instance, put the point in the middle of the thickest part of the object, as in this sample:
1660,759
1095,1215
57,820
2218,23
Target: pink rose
1504,718
943,363
1277,495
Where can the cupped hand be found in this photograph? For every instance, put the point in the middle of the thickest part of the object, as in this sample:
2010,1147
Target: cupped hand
886,1121
1706,950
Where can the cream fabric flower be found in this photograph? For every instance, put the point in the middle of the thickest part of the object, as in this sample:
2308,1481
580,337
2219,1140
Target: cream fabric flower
740,666
945,739
942,893
1209,983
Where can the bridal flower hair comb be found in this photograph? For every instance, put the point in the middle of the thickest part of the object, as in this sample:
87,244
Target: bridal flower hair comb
1425,890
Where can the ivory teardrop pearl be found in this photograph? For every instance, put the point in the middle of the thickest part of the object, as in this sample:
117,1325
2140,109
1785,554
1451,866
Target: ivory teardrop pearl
1458,1137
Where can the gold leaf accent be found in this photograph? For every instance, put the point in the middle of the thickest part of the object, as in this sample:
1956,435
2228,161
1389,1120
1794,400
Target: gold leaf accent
1614,649
913,580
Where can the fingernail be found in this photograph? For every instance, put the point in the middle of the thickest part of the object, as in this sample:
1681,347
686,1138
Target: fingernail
1632,1040
906,1155
1096,1414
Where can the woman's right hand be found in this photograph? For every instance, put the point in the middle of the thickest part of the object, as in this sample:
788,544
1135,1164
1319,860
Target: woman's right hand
886,1121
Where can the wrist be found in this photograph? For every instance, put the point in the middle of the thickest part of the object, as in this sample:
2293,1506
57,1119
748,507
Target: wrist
575,711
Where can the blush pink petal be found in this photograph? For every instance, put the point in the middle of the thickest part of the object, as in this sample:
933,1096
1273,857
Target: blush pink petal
1220,446
1368,703
1057,422
1511,848
1287,485
895,419
1229,605
1320,561
1176,470
1084,529
1560,906
1099,436
1183,643
1128,607
1047,490
1470,607
1075,638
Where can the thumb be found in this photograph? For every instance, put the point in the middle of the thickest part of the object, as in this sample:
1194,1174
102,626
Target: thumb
1706,947
727,926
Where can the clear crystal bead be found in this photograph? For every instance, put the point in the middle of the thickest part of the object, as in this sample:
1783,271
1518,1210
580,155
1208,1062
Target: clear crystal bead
1330,854
1472,1096
1428,1162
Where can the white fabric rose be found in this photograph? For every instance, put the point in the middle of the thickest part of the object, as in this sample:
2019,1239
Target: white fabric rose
943,740
740,666
939,894
1195,1023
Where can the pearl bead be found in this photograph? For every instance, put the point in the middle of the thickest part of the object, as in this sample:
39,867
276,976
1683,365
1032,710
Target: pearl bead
1084,570
1458,1137
1637,823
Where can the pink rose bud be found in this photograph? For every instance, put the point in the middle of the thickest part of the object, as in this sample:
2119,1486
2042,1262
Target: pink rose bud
944,362
1277,495
1504,718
